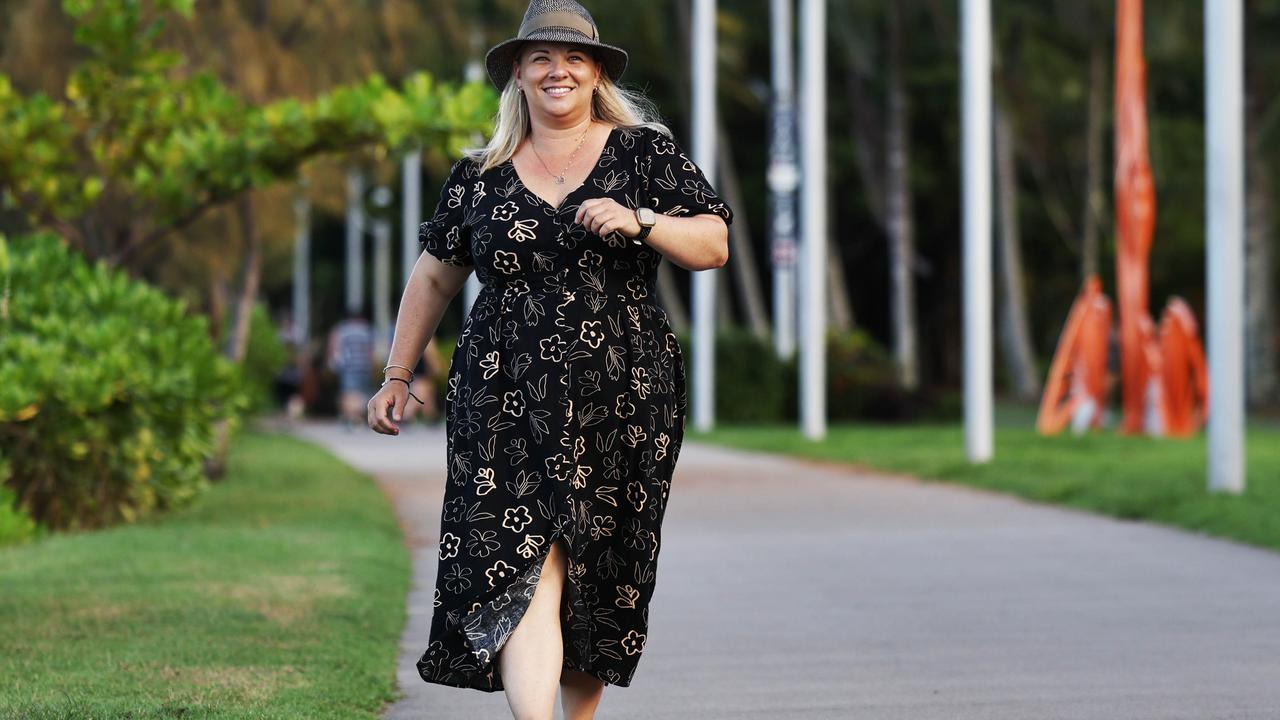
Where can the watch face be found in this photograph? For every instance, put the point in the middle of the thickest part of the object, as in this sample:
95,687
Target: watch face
647,217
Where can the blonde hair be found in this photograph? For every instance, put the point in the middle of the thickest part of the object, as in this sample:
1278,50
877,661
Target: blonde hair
611,103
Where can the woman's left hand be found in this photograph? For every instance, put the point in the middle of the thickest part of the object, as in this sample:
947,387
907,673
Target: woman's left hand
602,216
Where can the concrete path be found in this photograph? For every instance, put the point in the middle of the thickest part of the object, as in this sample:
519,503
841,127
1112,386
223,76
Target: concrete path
790,589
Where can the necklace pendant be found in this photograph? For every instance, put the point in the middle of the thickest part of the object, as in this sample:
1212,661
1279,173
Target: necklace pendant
559,179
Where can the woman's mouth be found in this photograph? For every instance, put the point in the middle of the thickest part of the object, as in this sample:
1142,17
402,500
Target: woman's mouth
558,91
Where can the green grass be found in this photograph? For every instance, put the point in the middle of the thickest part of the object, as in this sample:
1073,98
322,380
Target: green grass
280,595
1161,481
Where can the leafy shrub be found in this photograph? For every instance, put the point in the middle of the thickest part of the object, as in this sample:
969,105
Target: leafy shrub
15,525
265,356
109,390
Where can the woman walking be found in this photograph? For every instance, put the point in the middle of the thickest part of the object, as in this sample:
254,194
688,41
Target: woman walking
566,399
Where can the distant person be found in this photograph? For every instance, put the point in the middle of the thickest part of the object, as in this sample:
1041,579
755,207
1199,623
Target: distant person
351,359
566,389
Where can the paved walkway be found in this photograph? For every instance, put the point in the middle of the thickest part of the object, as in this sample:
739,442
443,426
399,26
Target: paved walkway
789,589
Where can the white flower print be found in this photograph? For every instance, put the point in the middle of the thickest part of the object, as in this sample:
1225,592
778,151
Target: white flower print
455,196
698,190
640,381
602,526
590,259
500,573
482,542
490,364
449,544
663,146
625,408
592,334
633,643
505,211
477,193
458,578
513,403
553,348
627,596
484,478
454,509
529,548
638,288
559,467
634,435
580,476
662,441
453,238
517,518
523,230
637,495
506,262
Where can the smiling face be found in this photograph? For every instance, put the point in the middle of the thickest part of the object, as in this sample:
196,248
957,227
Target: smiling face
558,79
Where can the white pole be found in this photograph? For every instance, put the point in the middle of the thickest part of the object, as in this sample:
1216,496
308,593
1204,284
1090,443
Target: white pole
978,393
382,273
704,155
301,266
411,212
813,250
1224,152
784,177
355,240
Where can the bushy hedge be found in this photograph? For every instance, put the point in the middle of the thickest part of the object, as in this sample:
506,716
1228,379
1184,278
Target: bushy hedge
15,525
109,390
753,385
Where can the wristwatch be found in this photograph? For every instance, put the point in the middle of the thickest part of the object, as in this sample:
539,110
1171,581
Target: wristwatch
647,218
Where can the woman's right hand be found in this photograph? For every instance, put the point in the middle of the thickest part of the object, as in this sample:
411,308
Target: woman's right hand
386,407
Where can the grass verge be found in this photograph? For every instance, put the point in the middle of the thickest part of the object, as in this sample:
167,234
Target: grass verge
1137,478
280,595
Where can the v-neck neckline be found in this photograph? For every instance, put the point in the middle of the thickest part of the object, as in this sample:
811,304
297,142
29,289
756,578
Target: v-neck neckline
591,173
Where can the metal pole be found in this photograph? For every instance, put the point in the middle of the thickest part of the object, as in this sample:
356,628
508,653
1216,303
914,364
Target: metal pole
301,267
1224,152
355,240
382,273
704,155
784,178
978,393
813,250
412,212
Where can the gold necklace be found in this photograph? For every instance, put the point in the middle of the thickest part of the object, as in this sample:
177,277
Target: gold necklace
572,156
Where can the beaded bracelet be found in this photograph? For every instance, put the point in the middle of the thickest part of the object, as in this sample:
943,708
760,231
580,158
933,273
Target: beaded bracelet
406,382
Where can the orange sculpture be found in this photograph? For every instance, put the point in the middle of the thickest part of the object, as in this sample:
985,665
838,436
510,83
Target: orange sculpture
1164,386
1135,209
1184,379
1078,385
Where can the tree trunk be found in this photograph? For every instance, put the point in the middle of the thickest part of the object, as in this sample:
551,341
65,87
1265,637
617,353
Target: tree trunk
839,309
1260,297
1094,201
742,259
1015,334
218,292
898,206
238,343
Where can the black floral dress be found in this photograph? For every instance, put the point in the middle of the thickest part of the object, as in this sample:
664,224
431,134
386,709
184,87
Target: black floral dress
564,411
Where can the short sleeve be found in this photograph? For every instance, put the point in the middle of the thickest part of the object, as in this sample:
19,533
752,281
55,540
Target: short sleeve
675,185
447,235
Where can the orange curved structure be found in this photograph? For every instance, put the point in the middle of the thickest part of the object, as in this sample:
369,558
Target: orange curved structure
1135,210
1164,388
1184,378
1078,381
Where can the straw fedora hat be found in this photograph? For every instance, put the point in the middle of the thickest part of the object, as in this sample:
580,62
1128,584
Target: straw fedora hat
554,21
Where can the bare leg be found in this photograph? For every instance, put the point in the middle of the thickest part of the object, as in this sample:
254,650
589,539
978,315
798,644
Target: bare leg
580,693
530,660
